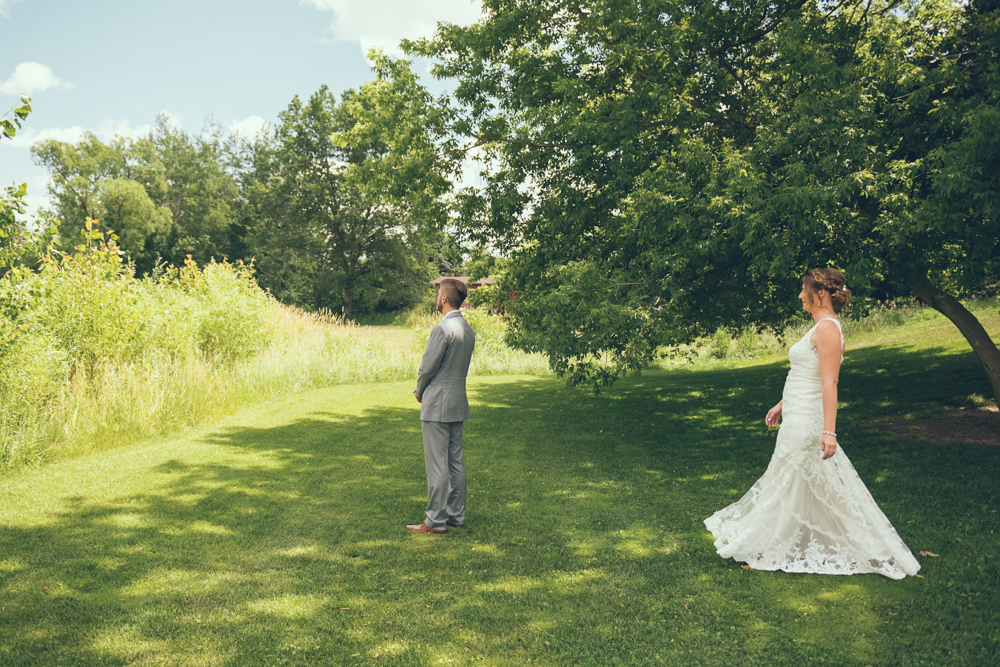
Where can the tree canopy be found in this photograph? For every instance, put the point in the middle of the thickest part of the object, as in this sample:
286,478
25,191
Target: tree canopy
341,206
657,169
167,195
345,202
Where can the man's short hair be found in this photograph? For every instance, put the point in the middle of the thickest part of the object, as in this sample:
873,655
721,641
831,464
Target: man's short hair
455,292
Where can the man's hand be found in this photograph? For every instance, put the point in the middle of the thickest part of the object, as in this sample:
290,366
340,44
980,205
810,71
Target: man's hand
416,397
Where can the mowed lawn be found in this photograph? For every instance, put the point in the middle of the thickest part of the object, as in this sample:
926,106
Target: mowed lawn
277,537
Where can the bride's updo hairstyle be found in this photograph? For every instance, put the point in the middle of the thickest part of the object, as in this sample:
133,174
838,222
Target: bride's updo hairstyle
830,280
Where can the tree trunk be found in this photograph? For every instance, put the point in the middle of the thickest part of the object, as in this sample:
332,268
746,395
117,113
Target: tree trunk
966,322
348,295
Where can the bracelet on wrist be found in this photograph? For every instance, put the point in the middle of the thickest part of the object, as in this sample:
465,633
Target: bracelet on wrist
829,433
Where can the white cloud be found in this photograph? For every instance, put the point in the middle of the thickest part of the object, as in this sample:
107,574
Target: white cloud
110,129
107,131
249,127
382,23
5,6
28,136
30,78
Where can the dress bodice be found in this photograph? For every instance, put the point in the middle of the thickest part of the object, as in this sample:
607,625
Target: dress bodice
804,387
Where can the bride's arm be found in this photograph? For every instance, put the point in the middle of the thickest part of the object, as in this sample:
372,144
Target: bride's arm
826,338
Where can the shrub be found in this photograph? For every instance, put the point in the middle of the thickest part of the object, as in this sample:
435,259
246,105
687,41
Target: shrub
34,374
236,318
86,348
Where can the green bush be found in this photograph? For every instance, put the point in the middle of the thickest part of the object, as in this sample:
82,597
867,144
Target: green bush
100,314
34,376
86,347
236,318
418,315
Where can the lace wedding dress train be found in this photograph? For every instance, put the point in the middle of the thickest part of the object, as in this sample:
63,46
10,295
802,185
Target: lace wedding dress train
805,514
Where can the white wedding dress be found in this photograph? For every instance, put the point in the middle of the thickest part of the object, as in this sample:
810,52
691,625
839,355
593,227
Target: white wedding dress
805,514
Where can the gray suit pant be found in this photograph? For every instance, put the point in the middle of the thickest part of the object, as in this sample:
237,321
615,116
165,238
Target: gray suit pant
445,473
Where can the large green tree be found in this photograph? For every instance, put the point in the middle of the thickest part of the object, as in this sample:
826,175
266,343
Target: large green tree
346,197
661,168
268,229
196,187
167,195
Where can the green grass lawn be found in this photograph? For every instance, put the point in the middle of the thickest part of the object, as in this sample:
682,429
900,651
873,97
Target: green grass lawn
277,537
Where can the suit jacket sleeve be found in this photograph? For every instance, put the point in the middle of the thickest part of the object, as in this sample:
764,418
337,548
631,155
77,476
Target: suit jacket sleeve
437,345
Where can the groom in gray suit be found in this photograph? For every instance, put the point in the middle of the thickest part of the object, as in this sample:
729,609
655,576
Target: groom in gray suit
444,407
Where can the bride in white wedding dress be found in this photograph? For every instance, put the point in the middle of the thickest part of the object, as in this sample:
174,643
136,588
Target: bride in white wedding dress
810,512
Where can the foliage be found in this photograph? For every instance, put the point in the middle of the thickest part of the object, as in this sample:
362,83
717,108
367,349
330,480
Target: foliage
889,322
126,207
267,227
447,255
167,195
690,160
326,238
83,320
9,127
101,314
311,205
492,356
392,130
18,240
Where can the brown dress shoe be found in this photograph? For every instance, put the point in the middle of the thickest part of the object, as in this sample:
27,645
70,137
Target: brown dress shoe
455,525
424,528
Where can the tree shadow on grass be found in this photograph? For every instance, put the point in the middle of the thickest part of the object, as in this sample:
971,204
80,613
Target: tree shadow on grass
285,543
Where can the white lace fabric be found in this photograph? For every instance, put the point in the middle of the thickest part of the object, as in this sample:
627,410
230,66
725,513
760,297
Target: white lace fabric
806,514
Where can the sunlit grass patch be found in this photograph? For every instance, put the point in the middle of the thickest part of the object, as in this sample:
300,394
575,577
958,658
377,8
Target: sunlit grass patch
287,606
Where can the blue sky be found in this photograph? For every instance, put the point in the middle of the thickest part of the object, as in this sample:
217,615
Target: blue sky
109,66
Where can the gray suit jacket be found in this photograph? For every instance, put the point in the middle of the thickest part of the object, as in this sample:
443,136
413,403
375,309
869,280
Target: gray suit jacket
441,378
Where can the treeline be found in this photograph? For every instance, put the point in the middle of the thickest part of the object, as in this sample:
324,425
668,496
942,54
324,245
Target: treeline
109,337
653,173
279,201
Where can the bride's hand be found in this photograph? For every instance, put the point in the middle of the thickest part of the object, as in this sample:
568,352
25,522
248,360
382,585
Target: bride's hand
773,415
828,444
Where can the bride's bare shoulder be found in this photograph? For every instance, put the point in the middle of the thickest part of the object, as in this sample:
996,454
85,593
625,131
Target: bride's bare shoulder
827,332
